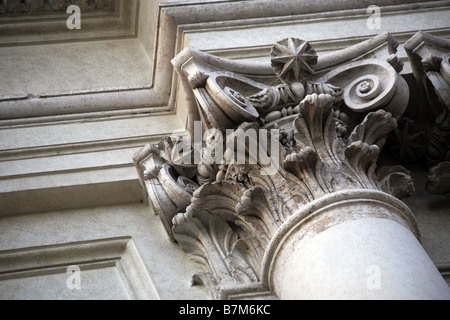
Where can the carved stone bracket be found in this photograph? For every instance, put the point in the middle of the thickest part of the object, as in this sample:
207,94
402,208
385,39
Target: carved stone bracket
430,60
324,121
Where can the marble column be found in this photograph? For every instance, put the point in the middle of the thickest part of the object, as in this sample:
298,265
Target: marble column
354,245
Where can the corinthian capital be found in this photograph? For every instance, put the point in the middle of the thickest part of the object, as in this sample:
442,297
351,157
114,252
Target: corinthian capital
312,131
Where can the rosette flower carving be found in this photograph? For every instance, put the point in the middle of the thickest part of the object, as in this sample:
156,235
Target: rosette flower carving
293,59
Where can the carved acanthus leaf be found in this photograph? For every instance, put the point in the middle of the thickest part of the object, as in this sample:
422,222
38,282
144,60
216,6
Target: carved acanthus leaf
215,231
254,219
323,161
397,181
365,143
439,179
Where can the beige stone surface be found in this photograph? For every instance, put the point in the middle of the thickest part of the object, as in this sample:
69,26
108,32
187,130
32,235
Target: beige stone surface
73,67
168,267
316,30
73,134
100,284
359,259
432,213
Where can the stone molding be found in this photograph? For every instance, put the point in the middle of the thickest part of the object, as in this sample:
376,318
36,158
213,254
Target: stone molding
122,26
176,22
120,253
35,22
18,7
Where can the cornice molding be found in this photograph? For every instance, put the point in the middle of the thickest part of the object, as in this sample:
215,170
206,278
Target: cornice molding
120,253
45,26
176,20
109,27
180,21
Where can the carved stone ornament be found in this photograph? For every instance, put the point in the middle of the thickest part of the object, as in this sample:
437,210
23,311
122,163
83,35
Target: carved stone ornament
430,60
324,121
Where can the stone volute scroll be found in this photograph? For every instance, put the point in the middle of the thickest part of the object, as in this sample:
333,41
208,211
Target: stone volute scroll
259,220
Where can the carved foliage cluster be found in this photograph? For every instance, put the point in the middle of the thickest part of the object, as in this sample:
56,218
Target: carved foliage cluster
424,130
229,224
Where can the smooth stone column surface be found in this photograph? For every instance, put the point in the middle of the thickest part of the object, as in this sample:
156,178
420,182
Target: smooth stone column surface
355,250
